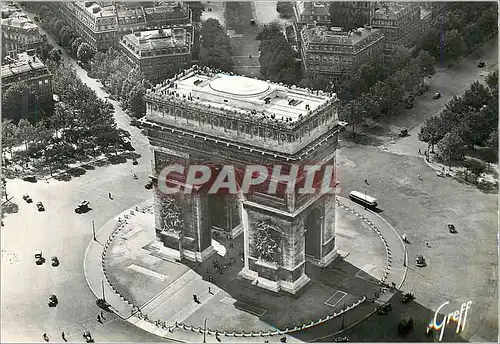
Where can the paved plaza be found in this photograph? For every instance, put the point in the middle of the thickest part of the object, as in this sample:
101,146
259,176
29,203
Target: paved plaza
163,289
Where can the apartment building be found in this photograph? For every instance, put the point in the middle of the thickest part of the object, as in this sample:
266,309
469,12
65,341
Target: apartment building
336,53
160,53
351,14
19,34
400,22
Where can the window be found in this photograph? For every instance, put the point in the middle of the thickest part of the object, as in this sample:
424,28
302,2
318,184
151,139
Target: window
39,82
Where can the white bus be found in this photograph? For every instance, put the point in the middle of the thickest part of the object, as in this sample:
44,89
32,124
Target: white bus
362,198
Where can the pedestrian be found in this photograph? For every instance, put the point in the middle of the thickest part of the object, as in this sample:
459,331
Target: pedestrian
102,315
63,336
250,57
109,195
420,178
217,337
366,182
209,290
231,245
99,318
45,337
195,298
419,152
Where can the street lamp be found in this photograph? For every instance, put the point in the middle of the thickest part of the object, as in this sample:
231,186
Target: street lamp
93,230
205,332
102,286
404,258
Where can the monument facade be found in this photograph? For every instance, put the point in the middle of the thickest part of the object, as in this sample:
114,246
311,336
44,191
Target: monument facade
203,117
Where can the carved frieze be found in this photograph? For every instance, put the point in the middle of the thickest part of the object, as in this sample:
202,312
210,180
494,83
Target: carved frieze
171,216
268,242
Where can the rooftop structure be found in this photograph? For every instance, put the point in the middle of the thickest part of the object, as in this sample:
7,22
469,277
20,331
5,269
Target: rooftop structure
248,98
291,117
161,42
307,12
355,39
21,67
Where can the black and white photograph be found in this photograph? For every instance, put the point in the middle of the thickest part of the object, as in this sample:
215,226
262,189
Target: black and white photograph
249,172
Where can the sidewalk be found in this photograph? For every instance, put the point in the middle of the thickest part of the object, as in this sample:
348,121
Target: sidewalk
172,304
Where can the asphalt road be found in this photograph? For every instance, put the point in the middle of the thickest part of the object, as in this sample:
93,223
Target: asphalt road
60,232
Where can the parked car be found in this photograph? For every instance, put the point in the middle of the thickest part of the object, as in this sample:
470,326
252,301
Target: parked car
407,297
135,162
27,198
102,304
40,206
403,132
252,21
29,178
440,174
149,185
39,258
451,228
420,261
384,309
436,95
55,261
53,301
481,64
80,207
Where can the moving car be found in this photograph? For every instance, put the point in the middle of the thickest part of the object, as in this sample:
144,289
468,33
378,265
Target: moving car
30,178
436,95
83,205
252,21
362,198
420,261
39,258
53,301
149,185
40,206
481,64
55,261
27,198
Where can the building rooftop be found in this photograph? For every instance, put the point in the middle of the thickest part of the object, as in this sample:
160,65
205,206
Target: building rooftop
392,10
249,97
19,21
159,39
320,35
308,8
99,11
23,64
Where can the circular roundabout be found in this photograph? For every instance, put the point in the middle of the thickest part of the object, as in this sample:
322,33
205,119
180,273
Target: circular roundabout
239,86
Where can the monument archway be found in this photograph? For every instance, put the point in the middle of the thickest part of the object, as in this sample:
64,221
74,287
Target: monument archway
207,118
313,227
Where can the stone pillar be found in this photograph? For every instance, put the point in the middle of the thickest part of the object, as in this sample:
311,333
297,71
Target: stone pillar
285,269
328,248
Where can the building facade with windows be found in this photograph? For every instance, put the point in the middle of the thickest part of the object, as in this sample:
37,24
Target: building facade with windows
335,53
103,23
309,12
19,34
27,67
160,53
400,22
351,14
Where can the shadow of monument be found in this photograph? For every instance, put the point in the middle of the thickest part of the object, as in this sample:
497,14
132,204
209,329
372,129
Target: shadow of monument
330,290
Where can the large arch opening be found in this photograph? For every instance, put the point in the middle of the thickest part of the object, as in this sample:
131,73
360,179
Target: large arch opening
312,228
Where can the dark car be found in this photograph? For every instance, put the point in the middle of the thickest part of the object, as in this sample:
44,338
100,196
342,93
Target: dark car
403,132
384,309
40,206
481,64
30,178
39,260
452,229
53,301
436,95
420,261
82,206
149,185
407,297
27,198
55,261
135,162
102,304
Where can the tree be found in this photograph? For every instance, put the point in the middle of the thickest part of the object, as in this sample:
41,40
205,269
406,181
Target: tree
476,96
211,29
426,63
431,132
451,147
475,166
400,58
54,55
492,81
351,114
277,58
285,9
136,104
18,101
75,45
472,36
454,46
85,52
216,57
269,31
9,135
25,132
493,140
